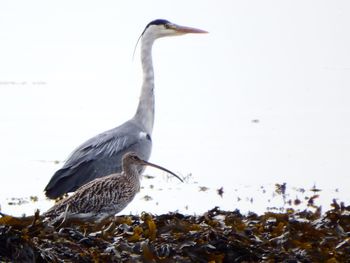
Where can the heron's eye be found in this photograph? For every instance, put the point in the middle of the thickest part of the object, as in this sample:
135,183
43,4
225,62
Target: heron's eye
167,26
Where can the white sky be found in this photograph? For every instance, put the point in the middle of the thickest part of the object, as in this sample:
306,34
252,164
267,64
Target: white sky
66,74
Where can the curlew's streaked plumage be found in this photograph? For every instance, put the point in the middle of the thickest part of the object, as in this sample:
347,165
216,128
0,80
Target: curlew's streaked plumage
105,196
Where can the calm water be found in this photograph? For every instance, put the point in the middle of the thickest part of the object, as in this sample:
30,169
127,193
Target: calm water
37,134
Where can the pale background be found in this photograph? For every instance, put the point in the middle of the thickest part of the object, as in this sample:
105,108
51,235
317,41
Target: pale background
262,99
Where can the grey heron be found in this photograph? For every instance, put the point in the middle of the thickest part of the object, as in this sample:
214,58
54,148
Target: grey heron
105,196
102,154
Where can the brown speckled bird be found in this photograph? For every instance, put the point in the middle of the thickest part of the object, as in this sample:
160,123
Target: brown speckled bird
106,196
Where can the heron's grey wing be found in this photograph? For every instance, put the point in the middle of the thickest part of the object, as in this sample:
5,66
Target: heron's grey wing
106,144
99,156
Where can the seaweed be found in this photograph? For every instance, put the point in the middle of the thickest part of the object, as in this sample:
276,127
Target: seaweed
215,236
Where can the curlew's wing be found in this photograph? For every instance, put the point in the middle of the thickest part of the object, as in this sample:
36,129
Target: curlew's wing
99,156
103,196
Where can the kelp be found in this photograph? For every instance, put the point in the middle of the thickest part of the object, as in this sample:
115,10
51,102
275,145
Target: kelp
215,236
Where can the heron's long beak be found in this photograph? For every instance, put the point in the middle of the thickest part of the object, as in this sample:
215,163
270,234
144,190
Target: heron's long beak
161,168
186,29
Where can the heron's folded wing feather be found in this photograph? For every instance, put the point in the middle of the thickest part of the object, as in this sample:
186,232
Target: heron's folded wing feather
105,144
96,153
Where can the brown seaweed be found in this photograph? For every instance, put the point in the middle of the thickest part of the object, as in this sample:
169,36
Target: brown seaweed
215,236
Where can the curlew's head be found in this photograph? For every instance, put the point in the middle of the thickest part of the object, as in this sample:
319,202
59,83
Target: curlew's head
132,159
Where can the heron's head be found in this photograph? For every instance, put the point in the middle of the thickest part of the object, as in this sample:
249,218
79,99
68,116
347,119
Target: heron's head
163,28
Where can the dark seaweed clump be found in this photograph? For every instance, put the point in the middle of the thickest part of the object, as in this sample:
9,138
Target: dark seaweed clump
216,236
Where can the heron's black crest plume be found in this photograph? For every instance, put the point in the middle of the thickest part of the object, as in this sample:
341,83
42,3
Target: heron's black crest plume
137,42
158,22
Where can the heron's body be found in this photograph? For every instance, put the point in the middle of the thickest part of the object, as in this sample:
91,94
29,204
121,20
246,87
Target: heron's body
102,154
106,196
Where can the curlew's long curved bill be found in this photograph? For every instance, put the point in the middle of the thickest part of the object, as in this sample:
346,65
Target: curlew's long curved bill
186,29
161,168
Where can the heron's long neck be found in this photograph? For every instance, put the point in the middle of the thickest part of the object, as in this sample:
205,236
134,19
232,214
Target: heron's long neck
145,109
